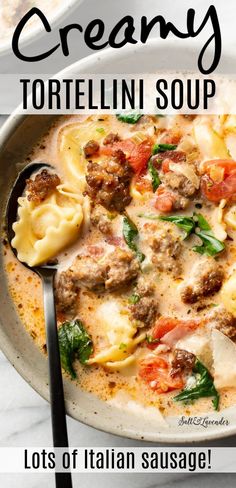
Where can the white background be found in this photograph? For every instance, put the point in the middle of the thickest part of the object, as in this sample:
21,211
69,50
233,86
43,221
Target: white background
24,415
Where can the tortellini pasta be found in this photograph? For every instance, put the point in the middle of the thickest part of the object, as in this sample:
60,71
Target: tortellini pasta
219,222
228,294
120,332
230,217
43,230
72,139
210,143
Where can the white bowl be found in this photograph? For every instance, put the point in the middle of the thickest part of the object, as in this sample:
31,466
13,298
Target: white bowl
34,33
16,137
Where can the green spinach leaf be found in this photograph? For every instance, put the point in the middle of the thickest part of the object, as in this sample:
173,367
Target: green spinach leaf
157,148
130,233
204,387
154,175
131,118
187,224
201,222
210,245
74,341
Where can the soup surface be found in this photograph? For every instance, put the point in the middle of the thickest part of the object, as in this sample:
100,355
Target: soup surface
139,212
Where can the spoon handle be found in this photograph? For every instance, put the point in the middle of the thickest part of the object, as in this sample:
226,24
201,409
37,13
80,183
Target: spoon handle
58,414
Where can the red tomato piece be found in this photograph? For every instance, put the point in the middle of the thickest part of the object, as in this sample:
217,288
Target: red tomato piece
173,156
155,371
163,326
216,191
227,164
166,165
138,155
164,201
169,330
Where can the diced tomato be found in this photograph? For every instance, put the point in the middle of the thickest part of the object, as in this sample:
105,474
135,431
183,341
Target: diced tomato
169,330
228,165
166,165
155,371
138,155
173,156
183,328
164,201
216,191
163,326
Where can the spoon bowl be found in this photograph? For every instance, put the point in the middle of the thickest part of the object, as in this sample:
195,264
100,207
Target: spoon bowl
12,203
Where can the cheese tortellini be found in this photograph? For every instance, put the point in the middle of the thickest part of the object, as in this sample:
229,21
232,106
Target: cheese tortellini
210,143
228,294
43,230
120,332
72,139
230,217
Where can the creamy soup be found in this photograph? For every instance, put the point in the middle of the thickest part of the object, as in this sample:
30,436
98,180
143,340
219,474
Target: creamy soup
140,215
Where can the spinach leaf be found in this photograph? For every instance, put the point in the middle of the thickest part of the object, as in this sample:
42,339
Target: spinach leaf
204,387
154,175
74,341
130,233
129,118
157,148
201,222
184,223
210,245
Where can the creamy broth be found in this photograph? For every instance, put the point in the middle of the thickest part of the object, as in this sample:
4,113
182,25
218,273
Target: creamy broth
108,378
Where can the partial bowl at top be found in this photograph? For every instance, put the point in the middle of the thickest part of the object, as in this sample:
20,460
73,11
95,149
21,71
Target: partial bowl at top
12,11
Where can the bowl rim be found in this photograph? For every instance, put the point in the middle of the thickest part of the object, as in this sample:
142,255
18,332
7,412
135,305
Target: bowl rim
35,33
165,437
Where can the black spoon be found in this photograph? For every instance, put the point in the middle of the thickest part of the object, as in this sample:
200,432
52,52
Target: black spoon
47,274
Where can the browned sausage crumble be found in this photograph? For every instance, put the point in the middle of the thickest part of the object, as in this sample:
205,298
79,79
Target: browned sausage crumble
66,293
100,219
207,280
41,186
110,139
108,183
91,148
111,272
182,361
145,310
224,321
166,252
